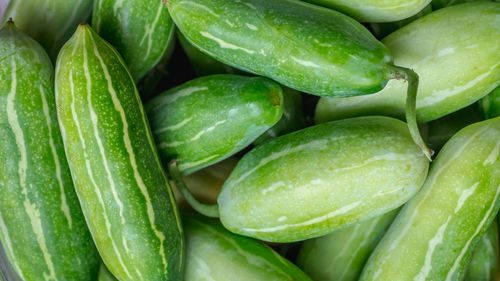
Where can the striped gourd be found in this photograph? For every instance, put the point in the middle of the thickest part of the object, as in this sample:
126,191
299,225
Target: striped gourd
208,119
375,10
123,190
433,236
141,30
337,174
214,253
484,262
41,224
490,105
456,53
202,63
438,4
50,22
341,255
105,275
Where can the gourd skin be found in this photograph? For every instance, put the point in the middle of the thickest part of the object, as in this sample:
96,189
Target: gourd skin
123,190
484,262
375,10
302,46
208,119
214,253
336,174
441,225
50,22
141,30
455,51
341,255
42,227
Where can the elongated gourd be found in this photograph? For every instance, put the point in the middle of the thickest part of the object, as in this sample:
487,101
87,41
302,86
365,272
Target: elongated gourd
203,64
211,118
438,4
50,22
305,47
443,223
340,256
105,275
336,174
375,10
41,224
123,191
141,30
484,262
455,51
489,106
380,30
213,253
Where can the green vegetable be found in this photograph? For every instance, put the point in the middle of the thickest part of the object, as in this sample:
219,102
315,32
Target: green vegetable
340,256
123,191
375,10
438,4
433,236
490,105
484,263
41,225
336,174
442,129
302,46
456,52
7,272
203,64
105,275
213,253
211,118
292,119
50,22
381,30
141,30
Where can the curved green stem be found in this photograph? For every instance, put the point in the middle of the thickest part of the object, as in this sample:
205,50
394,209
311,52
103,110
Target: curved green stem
411,104
204,209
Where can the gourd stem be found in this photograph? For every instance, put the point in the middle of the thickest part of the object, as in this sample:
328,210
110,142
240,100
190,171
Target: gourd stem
204,209
409,75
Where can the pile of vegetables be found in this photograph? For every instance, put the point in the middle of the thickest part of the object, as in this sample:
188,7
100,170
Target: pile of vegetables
325,140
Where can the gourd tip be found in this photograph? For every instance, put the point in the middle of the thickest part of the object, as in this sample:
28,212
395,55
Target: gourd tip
10,20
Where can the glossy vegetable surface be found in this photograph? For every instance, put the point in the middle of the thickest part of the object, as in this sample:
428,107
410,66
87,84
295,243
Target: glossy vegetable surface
123,190
336,174
455,51
41,225
341,255
375,10
484,262
141,30
490,105
202,63
50,22
305,47
443,223
211,118
213,253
